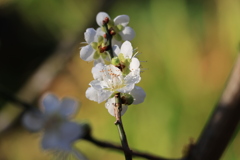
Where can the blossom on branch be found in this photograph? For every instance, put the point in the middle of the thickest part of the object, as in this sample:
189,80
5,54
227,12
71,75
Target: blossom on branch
116,69
109,80
125,59
95,50
118,27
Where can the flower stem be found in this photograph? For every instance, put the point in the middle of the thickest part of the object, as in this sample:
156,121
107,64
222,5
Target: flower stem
119,124
109,40
118,105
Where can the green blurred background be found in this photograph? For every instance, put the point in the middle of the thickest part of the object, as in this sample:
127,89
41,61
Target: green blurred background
188,48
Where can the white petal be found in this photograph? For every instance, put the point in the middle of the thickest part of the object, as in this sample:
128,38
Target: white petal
116,50
134,64
122,19
103,95
99,32
33,120
130,80
99,60
110,107
127,49
127,34
135,73
100,17
62,137
50,103
101,89
92,94
86,53
133,77
127,88
138,95
97,71
98,85
68,106
89,35
97,96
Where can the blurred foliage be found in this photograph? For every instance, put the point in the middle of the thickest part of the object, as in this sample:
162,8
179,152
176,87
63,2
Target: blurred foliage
189,47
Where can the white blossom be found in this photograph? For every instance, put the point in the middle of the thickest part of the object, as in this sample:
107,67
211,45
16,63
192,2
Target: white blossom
125,54
119,26
109,79
94,50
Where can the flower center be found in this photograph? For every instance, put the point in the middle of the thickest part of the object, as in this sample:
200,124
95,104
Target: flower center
113,80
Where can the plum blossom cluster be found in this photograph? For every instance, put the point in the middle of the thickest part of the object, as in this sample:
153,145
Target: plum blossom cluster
116,68
53,119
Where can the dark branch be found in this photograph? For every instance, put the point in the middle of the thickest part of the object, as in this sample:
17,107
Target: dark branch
135,153
6,95
119,124
223,122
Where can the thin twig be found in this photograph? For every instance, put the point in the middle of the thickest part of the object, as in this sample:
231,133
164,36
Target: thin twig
119,124
223,122
104,144
6,95
109,40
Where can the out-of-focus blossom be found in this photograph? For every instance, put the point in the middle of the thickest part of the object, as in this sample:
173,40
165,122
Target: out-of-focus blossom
53,118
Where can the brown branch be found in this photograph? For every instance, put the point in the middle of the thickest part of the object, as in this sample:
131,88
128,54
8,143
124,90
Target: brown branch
119,124
6,95
135,153
222,123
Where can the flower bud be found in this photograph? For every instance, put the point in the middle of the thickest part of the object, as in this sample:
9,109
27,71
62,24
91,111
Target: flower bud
112,32
106,20
127,99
